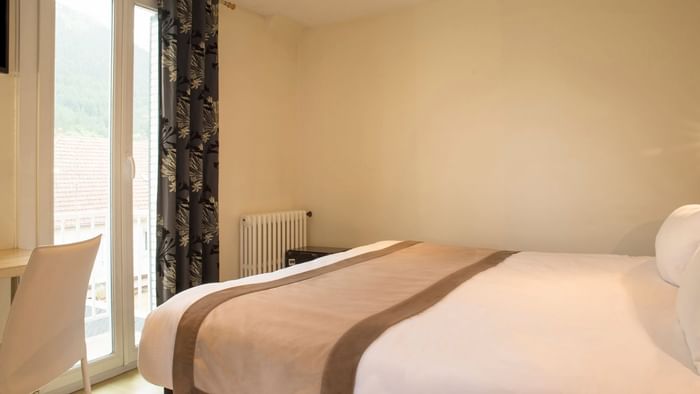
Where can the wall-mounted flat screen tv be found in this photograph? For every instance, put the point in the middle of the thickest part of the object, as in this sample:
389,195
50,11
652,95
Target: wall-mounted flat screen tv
4,36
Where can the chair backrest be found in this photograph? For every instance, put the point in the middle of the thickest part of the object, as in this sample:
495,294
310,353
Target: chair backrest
45,331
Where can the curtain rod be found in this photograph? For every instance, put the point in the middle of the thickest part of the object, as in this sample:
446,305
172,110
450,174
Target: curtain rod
229,4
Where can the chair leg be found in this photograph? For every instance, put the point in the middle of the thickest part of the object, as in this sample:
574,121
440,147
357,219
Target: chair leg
86,375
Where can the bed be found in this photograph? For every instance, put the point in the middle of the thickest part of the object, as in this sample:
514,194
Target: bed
522,323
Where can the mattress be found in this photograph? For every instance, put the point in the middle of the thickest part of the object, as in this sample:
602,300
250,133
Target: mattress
536,323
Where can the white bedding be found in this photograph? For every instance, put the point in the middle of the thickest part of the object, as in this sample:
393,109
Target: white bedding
537,323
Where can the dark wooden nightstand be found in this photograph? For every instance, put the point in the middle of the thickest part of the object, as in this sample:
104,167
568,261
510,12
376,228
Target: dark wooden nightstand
302,255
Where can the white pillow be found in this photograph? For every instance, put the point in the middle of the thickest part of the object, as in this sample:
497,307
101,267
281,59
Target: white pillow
676,241
688,307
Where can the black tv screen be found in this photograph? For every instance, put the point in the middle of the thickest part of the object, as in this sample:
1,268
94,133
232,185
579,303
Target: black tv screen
4,36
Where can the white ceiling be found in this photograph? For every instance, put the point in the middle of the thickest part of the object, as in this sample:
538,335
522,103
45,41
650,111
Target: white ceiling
321,12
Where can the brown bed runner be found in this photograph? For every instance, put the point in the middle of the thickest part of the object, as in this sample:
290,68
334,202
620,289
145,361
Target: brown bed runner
317,324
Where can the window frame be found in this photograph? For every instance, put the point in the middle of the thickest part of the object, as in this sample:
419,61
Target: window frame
34,181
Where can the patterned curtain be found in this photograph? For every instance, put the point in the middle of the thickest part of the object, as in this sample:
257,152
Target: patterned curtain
188,214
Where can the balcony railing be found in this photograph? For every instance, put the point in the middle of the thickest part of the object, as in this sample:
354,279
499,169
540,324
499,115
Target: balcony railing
80,225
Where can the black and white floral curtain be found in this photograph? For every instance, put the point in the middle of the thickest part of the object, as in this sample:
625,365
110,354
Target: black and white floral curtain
187,221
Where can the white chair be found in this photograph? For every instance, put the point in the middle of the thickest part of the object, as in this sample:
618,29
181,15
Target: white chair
45,331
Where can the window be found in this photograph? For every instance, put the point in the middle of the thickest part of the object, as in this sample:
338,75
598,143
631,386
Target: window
98,157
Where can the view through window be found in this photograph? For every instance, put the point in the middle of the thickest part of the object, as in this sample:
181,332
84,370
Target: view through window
83,134
145,148
82,149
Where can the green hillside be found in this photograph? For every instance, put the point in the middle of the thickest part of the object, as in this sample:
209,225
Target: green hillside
84,77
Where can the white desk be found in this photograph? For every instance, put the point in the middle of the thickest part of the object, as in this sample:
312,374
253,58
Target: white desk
12,265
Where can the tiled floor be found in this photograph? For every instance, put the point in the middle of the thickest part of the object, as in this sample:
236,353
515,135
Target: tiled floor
128,383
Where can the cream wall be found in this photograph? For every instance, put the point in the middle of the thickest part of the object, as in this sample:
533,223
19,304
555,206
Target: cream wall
7,161
539,125
7,182
258,120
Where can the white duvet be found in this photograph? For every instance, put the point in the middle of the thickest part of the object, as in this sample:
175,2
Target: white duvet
537,323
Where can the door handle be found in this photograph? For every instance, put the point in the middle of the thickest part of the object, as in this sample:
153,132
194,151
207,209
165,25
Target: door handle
132,167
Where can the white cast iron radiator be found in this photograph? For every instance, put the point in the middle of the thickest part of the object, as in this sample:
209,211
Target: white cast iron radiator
266,237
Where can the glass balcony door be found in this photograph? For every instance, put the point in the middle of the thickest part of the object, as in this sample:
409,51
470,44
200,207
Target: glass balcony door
103,166
145,157
82,203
